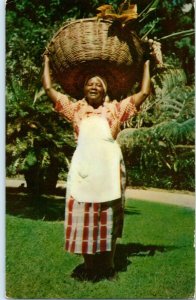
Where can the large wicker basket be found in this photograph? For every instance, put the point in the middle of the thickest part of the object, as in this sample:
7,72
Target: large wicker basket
95,46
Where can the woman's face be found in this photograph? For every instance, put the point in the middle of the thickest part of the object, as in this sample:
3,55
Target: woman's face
94,92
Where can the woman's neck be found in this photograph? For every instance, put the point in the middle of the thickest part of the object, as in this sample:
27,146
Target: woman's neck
95,105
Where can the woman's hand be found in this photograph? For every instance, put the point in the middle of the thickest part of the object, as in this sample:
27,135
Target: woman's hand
47,80
152,52
155,51
46,58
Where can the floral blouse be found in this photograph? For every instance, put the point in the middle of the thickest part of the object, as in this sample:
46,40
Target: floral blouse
115,112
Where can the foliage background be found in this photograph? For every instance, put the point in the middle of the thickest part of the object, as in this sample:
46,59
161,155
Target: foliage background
158,144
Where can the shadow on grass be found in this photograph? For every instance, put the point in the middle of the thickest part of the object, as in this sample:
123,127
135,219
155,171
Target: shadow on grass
45,207
121,261
131,211
123,252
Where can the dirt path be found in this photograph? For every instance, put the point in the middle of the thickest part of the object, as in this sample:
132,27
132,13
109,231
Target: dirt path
186,199
163,196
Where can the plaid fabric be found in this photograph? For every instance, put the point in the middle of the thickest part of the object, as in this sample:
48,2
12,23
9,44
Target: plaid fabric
91,227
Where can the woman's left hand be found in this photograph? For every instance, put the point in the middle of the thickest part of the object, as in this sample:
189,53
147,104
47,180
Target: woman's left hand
155,51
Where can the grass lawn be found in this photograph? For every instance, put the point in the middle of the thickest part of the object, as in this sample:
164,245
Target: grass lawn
155,257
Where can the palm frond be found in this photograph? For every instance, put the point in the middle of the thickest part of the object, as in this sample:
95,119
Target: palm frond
148,9
38,94
169,78
178,133
172,132
177,35
151,27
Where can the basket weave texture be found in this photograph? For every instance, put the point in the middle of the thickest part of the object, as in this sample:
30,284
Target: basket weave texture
95,47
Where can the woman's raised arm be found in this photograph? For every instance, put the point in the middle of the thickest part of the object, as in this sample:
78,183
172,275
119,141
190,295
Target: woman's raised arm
145,85
144,92
63,105
47,82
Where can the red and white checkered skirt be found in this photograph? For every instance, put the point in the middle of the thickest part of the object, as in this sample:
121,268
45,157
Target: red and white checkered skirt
91,227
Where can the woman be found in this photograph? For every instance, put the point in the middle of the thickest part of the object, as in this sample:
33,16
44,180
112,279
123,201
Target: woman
96,179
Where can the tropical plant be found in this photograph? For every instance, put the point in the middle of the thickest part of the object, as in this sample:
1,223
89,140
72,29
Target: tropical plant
37,151
160,149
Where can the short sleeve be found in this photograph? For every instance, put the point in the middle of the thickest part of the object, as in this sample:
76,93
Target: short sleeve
126,109
65,107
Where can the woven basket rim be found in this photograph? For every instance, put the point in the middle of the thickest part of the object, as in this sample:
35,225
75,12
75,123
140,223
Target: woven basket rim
67,24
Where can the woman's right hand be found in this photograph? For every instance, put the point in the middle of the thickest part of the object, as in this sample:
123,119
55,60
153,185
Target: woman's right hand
156,52
46,58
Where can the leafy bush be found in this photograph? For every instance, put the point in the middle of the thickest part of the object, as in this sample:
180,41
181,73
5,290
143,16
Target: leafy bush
39,144
161,166
163,154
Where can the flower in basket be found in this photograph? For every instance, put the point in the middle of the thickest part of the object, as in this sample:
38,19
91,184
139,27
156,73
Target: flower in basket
126,12
106,12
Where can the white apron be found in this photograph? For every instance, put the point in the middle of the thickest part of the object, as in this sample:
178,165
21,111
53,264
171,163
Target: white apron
94,174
